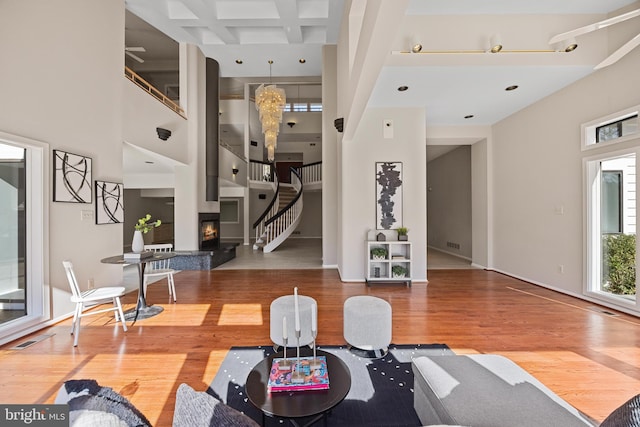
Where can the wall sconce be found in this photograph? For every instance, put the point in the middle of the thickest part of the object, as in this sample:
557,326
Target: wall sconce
291,124
163,134
235,171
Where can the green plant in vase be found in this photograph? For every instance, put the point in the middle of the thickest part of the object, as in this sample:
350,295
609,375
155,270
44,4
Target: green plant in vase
398,271
402,233
378,253
144,225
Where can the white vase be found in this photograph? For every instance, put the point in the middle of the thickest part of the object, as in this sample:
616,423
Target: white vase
137,245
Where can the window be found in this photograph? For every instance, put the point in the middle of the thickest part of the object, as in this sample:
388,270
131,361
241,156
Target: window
611,204
615,128
300,106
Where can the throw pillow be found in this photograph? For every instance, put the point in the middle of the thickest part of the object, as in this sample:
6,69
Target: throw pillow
197,408
88,400
627,415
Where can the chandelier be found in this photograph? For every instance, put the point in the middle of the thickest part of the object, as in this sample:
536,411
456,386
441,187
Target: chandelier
270,102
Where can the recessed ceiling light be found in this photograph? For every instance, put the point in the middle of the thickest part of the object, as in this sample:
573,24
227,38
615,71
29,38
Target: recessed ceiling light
510,88
302,60
468,116
403,88
238,61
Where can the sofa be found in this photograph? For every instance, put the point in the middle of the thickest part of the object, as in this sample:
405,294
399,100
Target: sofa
487,390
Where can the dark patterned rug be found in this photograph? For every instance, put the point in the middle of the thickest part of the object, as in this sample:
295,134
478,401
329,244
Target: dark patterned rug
381,389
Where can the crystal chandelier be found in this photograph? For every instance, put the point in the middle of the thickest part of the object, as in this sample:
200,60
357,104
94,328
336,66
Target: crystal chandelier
270,102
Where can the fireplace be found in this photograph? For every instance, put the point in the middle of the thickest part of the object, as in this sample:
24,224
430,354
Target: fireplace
209,231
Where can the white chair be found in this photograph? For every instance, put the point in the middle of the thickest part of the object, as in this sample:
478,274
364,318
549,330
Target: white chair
95,296
160,268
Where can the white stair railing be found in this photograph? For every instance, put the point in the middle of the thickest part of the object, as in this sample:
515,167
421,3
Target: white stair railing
280,226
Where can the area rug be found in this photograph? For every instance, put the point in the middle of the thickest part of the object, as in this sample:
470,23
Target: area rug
381,389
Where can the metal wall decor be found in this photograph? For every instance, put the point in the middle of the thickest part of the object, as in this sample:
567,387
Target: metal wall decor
109,202
388,195
71,178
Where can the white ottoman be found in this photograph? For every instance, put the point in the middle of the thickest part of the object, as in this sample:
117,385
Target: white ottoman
284,306
367,325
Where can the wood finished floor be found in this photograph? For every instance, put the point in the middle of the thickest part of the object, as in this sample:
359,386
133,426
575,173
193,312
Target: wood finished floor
588,357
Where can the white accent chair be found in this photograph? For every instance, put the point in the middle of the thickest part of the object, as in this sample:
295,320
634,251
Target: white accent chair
93,296
160,268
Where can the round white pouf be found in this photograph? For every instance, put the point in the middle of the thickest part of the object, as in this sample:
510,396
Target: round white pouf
367,323
284,306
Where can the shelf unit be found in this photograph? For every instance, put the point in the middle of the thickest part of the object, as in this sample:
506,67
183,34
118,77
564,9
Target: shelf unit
398,253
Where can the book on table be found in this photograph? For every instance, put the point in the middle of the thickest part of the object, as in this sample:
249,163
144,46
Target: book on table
138,255
314,375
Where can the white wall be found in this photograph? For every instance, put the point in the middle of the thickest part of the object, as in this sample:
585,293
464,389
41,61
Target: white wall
330,138
62,84
358,187
537,166
142,114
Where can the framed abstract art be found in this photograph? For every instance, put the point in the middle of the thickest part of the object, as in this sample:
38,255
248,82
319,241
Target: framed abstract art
109,202
71,177
388,195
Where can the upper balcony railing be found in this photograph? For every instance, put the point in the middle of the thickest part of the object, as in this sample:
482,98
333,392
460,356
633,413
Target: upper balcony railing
147,87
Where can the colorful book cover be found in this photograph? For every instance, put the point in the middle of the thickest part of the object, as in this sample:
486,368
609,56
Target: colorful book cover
314,379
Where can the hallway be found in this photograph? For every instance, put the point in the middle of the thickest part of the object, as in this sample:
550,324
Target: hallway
300,254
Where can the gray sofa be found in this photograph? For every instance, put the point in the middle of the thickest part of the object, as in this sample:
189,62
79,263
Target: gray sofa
486,390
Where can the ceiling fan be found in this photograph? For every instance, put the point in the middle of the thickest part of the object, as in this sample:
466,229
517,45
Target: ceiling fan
128,50
615,56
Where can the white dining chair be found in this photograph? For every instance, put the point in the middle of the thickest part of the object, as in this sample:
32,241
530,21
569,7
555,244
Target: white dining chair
161,268
93,296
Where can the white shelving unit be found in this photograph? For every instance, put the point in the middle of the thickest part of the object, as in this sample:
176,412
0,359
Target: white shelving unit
380,269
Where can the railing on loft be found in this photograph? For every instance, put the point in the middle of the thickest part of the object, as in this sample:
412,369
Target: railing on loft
280,226
147,87
261,171
311,173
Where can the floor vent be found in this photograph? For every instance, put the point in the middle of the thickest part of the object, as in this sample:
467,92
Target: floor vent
608,313
31,342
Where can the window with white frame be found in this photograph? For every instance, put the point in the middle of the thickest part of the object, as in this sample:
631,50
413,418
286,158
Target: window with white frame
615,128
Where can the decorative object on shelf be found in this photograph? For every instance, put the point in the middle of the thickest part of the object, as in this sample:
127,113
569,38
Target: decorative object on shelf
109,202
379,253
388,195
402,233
71,178
376,272
380,237
398,272
142,226
270,102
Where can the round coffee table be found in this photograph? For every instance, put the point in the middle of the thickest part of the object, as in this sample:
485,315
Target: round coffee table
298,404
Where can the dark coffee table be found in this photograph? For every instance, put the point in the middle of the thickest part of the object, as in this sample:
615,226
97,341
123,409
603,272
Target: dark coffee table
298,404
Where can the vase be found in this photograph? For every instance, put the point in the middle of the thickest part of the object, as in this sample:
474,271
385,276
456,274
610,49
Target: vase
137,245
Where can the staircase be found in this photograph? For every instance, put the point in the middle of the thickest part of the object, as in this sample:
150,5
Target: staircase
283,214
